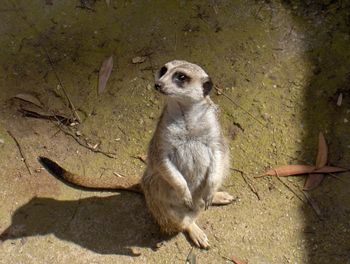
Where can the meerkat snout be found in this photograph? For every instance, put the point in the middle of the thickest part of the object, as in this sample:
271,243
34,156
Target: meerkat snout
158,85
183,81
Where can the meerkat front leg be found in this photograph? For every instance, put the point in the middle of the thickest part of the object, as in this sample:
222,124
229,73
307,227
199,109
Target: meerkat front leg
174,177
214,178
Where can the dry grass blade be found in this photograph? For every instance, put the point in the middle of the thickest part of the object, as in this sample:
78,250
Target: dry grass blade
20,151
313,204
43,115
313,181
143,158
105,72
191,258
29,98
234,260
322,153
248,182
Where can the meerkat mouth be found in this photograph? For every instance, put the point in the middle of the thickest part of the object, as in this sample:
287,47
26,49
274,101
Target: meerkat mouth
165,93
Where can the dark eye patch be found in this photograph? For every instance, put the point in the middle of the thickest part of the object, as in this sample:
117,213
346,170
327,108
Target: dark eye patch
207,86
162,71
180,78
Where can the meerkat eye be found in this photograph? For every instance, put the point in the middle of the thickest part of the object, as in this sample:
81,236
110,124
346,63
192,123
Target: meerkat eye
162,71
180,78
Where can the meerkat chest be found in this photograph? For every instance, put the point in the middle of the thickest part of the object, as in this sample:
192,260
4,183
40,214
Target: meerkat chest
191,151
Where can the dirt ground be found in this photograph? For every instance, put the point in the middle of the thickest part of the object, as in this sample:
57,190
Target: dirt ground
283,63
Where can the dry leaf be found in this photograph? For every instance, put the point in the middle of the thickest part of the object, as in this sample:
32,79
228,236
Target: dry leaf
138,60
329,169
238,261
312,181
29,98
289,170
340,99
322,153
105,72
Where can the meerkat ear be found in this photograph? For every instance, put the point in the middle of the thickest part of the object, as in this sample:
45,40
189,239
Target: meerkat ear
207,86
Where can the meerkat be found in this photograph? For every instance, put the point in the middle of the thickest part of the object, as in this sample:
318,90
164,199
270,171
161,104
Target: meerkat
187,159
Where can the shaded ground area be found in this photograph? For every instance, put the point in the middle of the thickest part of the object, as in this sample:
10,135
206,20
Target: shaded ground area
285,64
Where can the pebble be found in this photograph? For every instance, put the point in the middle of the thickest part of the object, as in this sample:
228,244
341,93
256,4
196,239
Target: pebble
138,59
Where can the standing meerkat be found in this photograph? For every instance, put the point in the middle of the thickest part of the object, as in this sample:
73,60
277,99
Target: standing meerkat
188,157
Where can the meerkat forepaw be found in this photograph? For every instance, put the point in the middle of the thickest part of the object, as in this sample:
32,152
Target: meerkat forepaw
187,197
198,237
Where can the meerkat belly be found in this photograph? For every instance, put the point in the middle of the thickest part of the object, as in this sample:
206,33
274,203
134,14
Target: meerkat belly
192,158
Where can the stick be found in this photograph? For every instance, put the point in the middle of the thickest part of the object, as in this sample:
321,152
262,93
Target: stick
32,25
20,151
246,111
251,185
310,202
289,188
72,107
79,141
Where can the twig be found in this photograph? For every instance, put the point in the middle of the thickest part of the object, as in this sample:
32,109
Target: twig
32,25
244,110
83,144
72,107
74,212
191,258
289,188
20,151
313,204
250,184
142,158
337,177
310,201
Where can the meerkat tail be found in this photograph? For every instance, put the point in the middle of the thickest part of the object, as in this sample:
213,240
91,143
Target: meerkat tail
94,184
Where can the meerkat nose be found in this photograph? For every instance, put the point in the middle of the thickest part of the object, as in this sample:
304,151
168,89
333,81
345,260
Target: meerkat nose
158,85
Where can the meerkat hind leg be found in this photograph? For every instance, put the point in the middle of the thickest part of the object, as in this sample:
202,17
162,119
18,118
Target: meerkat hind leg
197,235
222,198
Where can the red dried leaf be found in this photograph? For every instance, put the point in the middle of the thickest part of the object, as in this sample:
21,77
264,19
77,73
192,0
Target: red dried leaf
289,170
238,261
322,153
313,181
329,169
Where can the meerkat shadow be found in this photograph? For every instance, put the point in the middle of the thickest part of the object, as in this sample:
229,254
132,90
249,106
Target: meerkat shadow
106,225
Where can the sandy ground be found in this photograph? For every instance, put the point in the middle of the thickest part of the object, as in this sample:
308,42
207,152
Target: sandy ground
284,64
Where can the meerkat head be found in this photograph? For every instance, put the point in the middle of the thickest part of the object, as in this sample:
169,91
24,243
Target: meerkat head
183,81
